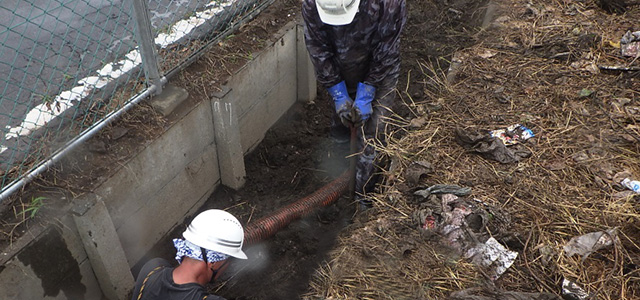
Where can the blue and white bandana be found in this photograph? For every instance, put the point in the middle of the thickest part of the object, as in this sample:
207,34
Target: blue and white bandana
188,249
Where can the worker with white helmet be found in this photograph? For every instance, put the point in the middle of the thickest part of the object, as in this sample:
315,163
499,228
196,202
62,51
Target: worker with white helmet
209,241
355,48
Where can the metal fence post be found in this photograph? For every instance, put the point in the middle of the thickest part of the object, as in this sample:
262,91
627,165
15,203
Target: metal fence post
146,44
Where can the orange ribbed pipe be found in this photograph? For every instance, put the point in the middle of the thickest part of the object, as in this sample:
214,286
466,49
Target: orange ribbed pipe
269,225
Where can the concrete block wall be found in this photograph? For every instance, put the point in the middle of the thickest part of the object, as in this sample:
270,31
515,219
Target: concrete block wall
154,191
52,265
257,82
87,253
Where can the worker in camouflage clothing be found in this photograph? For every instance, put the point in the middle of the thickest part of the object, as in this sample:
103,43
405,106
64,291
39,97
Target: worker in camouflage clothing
355,48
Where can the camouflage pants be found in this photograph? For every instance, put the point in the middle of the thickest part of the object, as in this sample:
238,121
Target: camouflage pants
373,132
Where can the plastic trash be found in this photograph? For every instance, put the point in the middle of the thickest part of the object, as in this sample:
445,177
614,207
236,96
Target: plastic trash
453,226
572,291
493,255
493,143
513,134
633,185
429,222
588,243
460,224
444,189
630,44
416,171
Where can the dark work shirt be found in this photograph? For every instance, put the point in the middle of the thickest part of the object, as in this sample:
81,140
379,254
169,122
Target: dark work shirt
366,50
160,285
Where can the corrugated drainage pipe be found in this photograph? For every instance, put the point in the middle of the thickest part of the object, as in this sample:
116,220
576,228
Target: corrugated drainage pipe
269,225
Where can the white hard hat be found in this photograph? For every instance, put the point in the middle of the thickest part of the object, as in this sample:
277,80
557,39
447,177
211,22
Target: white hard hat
217,230
337,12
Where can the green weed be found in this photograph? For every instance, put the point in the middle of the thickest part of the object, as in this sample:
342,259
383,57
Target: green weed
33,207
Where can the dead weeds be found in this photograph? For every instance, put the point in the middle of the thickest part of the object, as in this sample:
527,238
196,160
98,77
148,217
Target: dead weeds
541,64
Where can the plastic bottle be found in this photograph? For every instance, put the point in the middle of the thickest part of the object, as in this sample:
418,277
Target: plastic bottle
633,185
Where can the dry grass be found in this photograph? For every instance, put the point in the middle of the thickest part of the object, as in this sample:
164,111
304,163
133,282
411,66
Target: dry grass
528,68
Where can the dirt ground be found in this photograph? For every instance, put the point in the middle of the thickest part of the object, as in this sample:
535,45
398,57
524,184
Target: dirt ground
553,66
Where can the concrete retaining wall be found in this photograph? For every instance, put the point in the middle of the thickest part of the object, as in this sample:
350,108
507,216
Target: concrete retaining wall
87,253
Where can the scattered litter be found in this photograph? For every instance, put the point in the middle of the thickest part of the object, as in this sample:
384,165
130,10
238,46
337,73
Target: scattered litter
491,147
614,44
455,65
513,134
444,189
416,171
494,294
492,255
619,68
429,222
633,185
424,217
572,291
588,243
453,226
630,44
461,224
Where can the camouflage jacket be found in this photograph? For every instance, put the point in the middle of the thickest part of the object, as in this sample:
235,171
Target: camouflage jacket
366,50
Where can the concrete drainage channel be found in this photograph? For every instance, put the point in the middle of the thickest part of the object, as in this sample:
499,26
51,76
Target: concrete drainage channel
88,252
292,213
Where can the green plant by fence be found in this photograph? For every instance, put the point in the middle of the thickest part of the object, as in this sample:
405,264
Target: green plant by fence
70,67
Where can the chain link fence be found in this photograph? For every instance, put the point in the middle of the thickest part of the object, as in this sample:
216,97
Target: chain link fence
72,66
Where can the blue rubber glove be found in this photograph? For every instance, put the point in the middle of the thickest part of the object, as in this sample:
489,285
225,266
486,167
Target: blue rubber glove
342,101
362,105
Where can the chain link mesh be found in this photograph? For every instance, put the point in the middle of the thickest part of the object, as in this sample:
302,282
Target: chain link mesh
69,63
